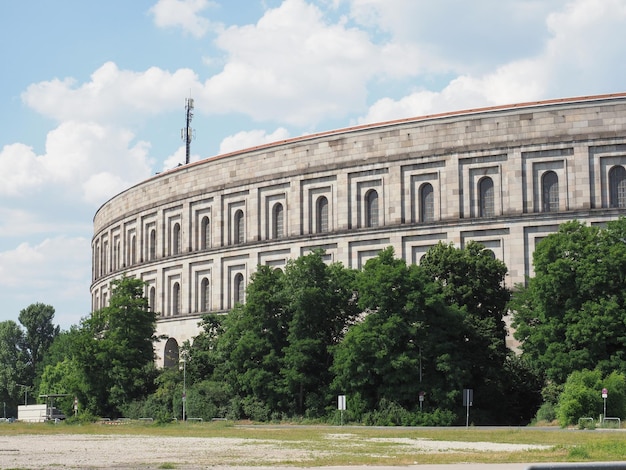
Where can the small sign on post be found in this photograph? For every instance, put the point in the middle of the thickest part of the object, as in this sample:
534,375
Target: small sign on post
605,395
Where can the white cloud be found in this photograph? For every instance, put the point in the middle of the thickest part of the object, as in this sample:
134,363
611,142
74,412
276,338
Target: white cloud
83,160
462,37
21,222
112,94
580,55
52,265
20,170
184,14
295,67
55,271
246,139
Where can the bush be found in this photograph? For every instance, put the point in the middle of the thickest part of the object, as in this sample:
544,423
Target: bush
546,413
582,397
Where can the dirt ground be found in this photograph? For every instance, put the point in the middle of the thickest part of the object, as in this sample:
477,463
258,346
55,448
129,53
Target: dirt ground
182,453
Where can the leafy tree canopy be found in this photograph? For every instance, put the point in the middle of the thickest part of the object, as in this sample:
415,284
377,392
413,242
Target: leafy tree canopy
571,316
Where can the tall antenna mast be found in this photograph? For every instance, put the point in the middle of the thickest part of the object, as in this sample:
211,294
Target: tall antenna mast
187,133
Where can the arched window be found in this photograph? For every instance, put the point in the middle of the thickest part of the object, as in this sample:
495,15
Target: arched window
176,239
550,191
321,215
617,187
205,233
171,353
238,288
238,227
205,295
277,221
152,299
371,208
486,200
427,203
96,267
152,247
105,257
176,299
133,250
116,247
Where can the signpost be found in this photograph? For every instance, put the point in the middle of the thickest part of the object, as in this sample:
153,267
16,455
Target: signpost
421,396
468,398
341,405
605,395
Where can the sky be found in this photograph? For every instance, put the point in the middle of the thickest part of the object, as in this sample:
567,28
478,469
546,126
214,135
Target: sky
92,94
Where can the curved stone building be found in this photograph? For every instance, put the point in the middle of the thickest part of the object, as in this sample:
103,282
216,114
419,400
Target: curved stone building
505,176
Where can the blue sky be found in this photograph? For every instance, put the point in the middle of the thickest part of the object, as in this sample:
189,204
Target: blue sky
92,94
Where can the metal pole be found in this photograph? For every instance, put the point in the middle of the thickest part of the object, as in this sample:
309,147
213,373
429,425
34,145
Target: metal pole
420,364
184,384
467,405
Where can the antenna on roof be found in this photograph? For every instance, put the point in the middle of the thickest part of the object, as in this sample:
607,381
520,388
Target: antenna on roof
187,133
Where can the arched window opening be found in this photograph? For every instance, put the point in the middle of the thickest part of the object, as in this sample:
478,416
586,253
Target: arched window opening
152,246
486,197
427,203
97,261
550,191
171,353
176,239
277,221
205,233
152,299
205,295
617,187
105,258
176,299
238,288
371,208
238,227
321,215
116,247
133,250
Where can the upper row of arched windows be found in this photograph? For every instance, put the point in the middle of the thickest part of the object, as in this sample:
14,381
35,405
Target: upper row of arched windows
549,202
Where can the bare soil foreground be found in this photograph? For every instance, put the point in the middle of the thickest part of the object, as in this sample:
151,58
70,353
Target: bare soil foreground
88,451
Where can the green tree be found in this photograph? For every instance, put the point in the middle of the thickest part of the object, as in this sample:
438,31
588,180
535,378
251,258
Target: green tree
571,316
113,351
250,346
472,279
13,365
64,377
273,351
408,333
37,319
319,302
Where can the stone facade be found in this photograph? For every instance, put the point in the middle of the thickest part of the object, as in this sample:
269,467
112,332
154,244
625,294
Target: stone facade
504,176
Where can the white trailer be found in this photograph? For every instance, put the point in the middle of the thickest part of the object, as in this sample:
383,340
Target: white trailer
32,413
